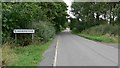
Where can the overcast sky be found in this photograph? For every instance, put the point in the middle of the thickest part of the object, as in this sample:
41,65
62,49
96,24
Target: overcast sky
69,3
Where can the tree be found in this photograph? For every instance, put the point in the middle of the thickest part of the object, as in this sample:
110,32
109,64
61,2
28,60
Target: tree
24,15
90,14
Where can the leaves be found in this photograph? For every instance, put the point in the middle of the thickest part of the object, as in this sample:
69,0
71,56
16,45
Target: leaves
94,13
24,15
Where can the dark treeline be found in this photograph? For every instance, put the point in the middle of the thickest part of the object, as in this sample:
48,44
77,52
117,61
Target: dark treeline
89,14
47,18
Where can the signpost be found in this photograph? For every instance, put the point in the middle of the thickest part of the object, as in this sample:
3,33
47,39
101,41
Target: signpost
24,31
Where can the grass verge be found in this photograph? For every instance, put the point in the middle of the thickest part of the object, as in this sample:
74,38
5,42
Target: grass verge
26,56
0,57
102,38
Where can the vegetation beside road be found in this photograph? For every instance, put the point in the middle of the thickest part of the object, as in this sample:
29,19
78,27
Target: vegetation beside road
102,33
24,56
102,38
96,21
46,18
92,19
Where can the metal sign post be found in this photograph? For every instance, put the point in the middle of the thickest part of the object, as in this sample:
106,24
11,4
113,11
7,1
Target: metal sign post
15,38
23,31
32,37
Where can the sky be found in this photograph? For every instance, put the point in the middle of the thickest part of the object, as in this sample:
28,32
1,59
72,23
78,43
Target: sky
69,3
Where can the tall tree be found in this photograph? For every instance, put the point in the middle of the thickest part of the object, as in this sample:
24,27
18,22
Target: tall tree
94,13
20,15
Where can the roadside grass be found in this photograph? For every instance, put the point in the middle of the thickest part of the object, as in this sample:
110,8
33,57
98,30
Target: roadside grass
26,56
100,38
0,57
8,55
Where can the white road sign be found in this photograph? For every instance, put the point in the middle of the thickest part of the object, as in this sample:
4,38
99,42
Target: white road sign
24,31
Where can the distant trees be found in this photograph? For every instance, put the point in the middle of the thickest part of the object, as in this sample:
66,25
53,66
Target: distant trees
90,14
45,17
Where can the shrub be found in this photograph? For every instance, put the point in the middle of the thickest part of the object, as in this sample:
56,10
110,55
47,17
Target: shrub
44,30
102,30
75,30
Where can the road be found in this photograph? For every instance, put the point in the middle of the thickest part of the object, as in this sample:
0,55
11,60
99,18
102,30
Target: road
73,50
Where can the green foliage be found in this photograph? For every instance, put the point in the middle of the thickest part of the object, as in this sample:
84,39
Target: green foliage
75,30
8,55
23,15
46,18
24,56
103,30
44,30
102,33
15,16
56,12
100,38
23,39
88,14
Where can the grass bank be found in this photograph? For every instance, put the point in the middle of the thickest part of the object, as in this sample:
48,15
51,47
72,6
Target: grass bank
24,56
107,33
100,38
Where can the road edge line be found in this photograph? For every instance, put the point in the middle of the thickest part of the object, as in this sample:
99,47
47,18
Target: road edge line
55,57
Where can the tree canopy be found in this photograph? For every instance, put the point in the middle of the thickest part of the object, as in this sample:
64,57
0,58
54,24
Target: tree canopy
46,18
90,14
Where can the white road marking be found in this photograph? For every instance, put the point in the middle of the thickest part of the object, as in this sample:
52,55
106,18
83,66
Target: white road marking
55,58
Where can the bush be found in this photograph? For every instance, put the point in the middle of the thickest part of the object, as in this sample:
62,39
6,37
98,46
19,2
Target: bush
103,30
75,30
44,30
